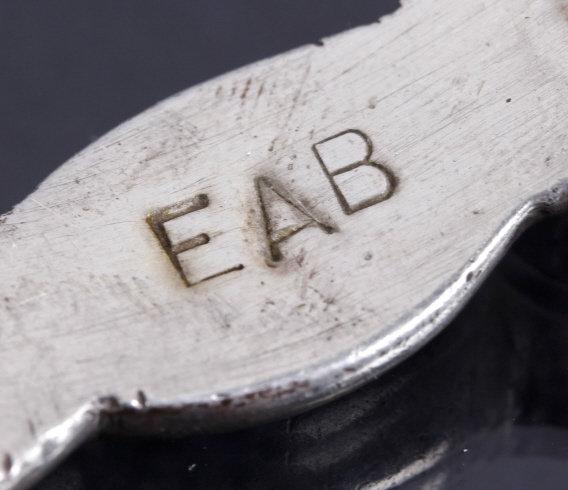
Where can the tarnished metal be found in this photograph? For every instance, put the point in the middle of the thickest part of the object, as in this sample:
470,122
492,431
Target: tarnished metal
275,237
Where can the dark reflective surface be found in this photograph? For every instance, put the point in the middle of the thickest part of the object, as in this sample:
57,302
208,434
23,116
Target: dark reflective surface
484,406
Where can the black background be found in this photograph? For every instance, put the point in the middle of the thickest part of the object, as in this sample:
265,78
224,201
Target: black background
492,389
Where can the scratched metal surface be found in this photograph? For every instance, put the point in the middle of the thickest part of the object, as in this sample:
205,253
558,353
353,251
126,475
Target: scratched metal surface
82,238
482,406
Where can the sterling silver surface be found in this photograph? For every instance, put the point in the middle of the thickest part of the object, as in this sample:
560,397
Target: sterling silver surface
275,237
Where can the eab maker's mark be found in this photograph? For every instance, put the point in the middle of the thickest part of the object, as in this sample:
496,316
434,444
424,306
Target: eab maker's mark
357,181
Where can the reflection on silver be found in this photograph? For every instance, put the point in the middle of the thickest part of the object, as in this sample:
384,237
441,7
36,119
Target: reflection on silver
414,469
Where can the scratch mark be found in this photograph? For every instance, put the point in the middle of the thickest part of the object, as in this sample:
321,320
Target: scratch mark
246,90
31,428
31,299
298,93
59,216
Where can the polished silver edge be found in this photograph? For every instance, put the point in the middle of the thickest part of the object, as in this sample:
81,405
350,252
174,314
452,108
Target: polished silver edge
297,391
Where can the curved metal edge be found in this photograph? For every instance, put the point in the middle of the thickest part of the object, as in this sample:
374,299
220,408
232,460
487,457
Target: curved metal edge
298,391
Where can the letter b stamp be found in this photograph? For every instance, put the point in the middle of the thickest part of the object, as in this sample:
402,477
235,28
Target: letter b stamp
357,180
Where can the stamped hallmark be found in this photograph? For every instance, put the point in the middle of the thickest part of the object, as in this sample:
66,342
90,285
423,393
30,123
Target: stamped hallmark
157,221
357,181
270,195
